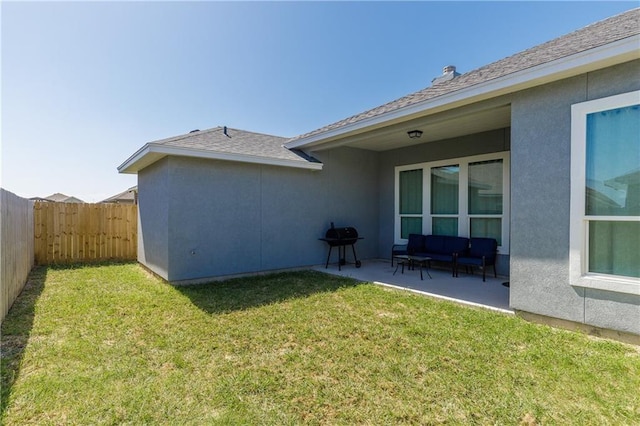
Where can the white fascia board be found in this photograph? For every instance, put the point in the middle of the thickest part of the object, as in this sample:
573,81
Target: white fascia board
129,165
151,153
610,54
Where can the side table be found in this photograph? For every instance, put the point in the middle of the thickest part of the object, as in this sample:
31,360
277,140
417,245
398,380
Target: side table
411,261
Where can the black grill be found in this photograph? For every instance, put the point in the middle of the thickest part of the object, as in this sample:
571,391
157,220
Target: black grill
341,237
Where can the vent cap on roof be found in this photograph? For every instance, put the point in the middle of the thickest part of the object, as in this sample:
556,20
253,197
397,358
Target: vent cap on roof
448,73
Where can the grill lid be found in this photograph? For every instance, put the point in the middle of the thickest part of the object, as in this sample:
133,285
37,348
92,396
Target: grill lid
344,233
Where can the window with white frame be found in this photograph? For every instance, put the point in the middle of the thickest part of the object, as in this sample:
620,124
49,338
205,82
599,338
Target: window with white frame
605,193
467,197
486,198
410,202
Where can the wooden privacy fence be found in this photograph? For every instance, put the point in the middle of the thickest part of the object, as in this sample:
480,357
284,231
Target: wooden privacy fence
16,247
72,232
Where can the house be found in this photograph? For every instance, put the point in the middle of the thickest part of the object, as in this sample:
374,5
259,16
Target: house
128,196
539,150
58,198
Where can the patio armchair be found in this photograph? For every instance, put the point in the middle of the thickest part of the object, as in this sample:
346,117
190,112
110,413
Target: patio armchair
482,252
415,242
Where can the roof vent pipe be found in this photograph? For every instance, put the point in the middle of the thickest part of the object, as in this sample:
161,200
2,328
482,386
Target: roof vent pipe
448,73
224,130
448,69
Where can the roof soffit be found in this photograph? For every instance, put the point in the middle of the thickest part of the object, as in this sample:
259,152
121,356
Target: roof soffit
221,144
582,62
151,152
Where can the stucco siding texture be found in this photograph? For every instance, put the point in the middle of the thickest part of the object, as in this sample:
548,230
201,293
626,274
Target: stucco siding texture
540,203
214,218
477,144
229,218
153,217
615,311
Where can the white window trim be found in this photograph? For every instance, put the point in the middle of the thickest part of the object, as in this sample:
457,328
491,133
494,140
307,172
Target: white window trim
463,199
579,225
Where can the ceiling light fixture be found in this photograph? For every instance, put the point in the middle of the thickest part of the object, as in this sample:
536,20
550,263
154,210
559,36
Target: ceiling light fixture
414,134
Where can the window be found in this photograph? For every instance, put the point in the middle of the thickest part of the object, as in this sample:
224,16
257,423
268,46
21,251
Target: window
463,196
444,200
486,199
605,194
410,202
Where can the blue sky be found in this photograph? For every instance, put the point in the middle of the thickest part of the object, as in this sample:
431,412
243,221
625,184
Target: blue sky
86,84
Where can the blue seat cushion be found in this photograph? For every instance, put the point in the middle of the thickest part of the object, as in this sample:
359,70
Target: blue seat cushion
444,244
415,243
434,244
486,247
474,261
399,251
479,248
439,257
456,245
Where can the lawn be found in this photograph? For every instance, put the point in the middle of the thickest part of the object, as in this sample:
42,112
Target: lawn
110,344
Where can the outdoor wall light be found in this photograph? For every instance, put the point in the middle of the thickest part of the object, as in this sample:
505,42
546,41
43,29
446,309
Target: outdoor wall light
413,134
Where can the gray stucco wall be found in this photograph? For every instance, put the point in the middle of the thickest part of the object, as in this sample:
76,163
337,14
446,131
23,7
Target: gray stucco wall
225,218
206,218
481,143
540,203
153,217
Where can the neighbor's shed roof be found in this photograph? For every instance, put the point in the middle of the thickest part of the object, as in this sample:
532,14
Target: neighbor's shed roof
234,145
59,198
126,196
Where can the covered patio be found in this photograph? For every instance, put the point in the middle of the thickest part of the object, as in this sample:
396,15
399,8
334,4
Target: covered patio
466,288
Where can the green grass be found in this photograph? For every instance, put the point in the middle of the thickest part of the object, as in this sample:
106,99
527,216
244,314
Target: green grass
109,344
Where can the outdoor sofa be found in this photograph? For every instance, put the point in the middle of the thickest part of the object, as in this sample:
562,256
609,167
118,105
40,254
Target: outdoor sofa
457,251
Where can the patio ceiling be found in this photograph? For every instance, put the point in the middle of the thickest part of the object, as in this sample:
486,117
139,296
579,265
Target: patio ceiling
435,127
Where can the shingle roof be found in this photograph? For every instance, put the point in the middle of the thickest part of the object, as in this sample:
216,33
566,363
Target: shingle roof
58,197
598,34
240,145
236,141
62,198
127,195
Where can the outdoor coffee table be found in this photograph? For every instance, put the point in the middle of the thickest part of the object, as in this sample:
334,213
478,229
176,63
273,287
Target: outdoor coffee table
411,262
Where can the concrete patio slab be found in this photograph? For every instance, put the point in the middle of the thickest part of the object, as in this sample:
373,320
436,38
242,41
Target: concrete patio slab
466,289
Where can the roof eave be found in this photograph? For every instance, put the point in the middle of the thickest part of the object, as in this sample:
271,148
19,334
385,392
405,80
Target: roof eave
150,153
617,52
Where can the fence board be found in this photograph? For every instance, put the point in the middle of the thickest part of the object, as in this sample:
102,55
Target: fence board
73,232
16,246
